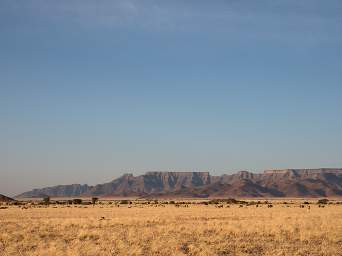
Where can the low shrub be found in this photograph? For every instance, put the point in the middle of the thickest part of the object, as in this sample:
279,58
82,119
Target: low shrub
323,201
77,201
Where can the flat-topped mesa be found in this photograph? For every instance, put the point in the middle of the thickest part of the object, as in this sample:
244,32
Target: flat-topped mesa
177,173
245,174
304,171
189,175
177,180
276,171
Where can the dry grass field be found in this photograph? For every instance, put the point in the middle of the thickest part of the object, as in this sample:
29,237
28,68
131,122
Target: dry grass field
139,229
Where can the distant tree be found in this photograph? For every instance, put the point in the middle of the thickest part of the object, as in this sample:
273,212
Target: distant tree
94,200
46,200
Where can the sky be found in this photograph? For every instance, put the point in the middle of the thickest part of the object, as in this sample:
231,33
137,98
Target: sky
90,90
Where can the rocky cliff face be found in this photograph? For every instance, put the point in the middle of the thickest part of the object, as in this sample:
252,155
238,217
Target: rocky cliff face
270,183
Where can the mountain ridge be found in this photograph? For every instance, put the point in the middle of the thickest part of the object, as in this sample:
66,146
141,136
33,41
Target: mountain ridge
5,199
320,182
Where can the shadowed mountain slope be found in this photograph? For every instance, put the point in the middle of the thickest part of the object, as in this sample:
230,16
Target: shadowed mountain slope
5,199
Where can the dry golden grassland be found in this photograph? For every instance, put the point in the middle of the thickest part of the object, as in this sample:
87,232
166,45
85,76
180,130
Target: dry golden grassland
171,230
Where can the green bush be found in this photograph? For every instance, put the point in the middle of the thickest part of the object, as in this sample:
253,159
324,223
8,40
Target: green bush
46,200
323,201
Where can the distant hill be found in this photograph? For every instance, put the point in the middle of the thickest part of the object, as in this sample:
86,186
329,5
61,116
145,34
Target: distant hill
5,199
322,182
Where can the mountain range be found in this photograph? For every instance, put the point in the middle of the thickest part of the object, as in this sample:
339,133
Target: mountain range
323,182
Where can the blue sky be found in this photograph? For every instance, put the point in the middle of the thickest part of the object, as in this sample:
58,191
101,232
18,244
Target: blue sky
92,89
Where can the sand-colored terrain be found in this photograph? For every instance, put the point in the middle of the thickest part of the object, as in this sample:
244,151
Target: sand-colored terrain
171,229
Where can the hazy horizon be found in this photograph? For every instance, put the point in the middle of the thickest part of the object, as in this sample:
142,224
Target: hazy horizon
90,90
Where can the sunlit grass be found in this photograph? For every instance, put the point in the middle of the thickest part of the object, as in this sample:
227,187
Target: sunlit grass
170,230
